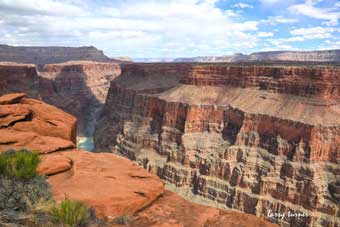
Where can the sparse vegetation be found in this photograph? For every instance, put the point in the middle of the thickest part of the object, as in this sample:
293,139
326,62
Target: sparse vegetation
25,196
123,220
70,213
20,164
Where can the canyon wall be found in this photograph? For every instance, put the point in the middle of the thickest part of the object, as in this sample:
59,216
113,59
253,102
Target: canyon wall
295,56
77,87
46,55
262,139
125,189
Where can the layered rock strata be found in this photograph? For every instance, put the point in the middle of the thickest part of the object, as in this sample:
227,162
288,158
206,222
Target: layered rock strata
78,88
262,139
46,55
292,56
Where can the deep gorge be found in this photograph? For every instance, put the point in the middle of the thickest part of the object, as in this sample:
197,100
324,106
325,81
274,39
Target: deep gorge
251,137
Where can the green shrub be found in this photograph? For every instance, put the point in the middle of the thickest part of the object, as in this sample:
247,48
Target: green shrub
20,164
70,213
123,220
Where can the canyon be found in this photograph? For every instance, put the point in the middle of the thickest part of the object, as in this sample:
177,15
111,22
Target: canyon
124,187
259,138
77,87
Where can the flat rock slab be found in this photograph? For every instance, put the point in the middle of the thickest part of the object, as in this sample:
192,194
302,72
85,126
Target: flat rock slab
11,98
171,210
55,164
112,185
12,139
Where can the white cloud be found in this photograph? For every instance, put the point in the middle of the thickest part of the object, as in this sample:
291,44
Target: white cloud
309,9
330,44
313,32
242,5
274,20
44,7
265,34
126,27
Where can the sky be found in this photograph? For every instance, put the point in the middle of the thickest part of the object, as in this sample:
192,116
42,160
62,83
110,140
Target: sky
173,28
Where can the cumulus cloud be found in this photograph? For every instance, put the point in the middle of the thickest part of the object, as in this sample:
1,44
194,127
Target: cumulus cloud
40,7
154,28
314,32
149,28
309,8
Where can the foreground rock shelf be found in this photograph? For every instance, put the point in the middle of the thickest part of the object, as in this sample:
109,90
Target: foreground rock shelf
256,138
114,186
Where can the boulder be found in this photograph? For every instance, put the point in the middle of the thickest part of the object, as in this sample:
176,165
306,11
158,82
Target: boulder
35,125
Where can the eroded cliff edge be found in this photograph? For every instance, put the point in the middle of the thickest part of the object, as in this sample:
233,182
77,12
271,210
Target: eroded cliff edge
257,138
77,87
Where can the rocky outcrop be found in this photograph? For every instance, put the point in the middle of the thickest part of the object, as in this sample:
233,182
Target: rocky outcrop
32,124
46,55
78,88
296,56
262,139
112,185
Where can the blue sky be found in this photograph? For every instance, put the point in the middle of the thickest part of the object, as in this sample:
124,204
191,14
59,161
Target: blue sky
173,28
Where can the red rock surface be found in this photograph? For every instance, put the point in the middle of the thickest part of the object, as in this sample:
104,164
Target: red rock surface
171,210
32,124
55,164
113,185
256,138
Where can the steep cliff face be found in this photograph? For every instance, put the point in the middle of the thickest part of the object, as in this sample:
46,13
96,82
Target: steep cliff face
296,56
260,139
18,78
78,87
46,55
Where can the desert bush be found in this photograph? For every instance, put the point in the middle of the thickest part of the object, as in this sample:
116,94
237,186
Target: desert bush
70,213
123,220
21,195
20,164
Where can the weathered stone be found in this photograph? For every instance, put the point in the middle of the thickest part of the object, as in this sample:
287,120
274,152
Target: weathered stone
112,185
35,125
